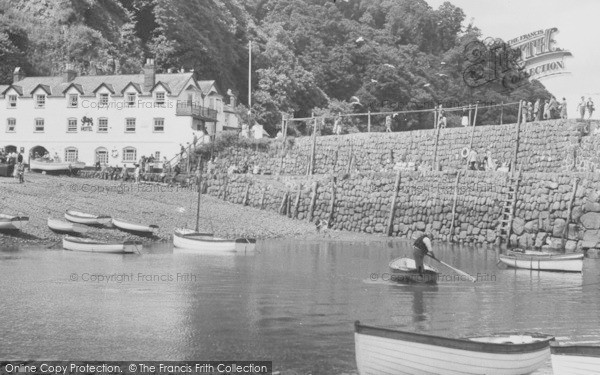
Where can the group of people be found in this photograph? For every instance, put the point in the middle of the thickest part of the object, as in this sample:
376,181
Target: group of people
16,160
543,109
586,106
485,163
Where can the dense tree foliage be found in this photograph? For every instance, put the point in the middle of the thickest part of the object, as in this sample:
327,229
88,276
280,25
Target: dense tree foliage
309,56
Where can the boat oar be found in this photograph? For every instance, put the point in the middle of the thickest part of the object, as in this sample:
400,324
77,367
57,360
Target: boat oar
454,269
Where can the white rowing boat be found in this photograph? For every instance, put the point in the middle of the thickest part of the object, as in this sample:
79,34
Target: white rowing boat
542,261
386,351
13,222
89,219
49,165
190,239
96,246
62,226
575,359
404,271
133,227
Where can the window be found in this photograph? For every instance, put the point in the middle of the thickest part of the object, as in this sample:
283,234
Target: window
159,124
160,99
12,101
102,155
130,99
71,154
130,125
11,125
103,100
39,125
129,155
71,125
102,125
40,101
73,100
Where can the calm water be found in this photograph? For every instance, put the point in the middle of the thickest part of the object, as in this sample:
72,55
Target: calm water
290,302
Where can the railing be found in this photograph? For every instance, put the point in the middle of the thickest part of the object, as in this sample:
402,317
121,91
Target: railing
186,108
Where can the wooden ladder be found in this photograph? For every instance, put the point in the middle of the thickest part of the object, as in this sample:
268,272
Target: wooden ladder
509,206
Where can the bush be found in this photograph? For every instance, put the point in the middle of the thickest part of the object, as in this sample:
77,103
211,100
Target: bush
232,139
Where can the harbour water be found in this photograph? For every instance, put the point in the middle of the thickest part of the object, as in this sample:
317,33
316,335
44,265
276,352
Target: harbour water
290,301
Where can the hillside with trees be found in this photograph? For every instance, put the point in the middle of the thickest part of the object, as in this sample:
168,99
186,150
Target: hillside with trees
308,55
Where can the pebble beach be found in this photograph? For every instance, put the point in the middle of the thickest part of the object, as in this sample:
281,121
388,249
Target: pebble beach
47,196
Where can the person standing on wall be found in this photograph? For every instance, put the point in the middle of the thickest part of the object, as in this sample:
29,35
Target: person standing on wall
563,109
442,120
581,107
472,160
536,110
547,110
337,124
388,124
590,107
421,247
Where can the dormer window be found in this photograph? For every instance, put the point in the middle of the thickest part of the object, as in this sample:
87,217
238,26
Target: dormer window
160,99
103,100
40,101
73,100
12,101
130,99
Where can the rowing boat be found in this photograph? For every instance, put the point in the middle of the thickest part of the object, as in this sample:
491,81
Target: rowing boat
13,222
89,219
96,246
404,271
133,227
49,165
575,359
386,351
190,239
543,261
61,226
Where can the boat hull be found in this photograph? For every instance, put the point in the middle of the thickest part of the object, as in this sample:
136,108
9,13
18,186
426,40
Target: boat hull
62,226
383,351
187,239
83,218
575,359
13,222
404,271
544,262
38,165
133,227
88,245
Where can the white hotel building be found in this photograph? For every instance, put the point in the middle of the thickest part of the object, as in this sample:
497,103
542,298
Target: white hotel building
114,119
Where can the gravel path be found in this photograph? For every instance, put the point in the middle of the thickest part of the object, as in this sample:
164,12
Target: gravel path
44,196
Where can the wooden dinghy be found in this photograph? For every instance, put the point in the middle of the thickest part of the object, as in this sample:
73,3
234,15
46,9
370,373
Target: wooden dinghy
575,359
133,227
49,165
62,226
13,222
88,219
543,261
404,271
386,351
190,239
96,246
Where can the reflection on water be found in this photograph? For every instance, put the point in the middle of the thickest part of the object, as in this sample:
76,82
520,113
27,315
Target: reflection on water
291,302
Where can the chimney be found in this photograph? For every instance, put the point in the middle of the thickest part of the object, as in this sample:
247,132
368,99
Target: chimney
18,75
69,73
149,75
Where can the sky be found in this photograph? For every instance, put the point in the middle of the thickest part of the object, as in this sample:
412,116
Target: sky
578,23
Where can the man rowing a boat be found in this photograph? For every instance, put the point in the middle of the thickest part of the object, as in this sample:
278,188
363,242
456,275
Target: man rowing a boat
421,247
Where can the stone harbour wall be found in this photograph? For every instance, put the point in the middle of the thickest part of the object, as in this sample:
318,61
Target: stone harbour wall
546,146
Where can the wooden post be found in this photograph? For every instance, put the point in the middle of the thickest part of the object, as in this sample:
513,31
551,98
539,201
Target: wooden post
473,127
517,136
435,149
313,200
335,159
349,167
297,203
288,209
245,202
331,204
454,206
519,113
283,203
369,121
282,128
314,147
566,231
390,226
225,189
435,117
501,112
262,199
